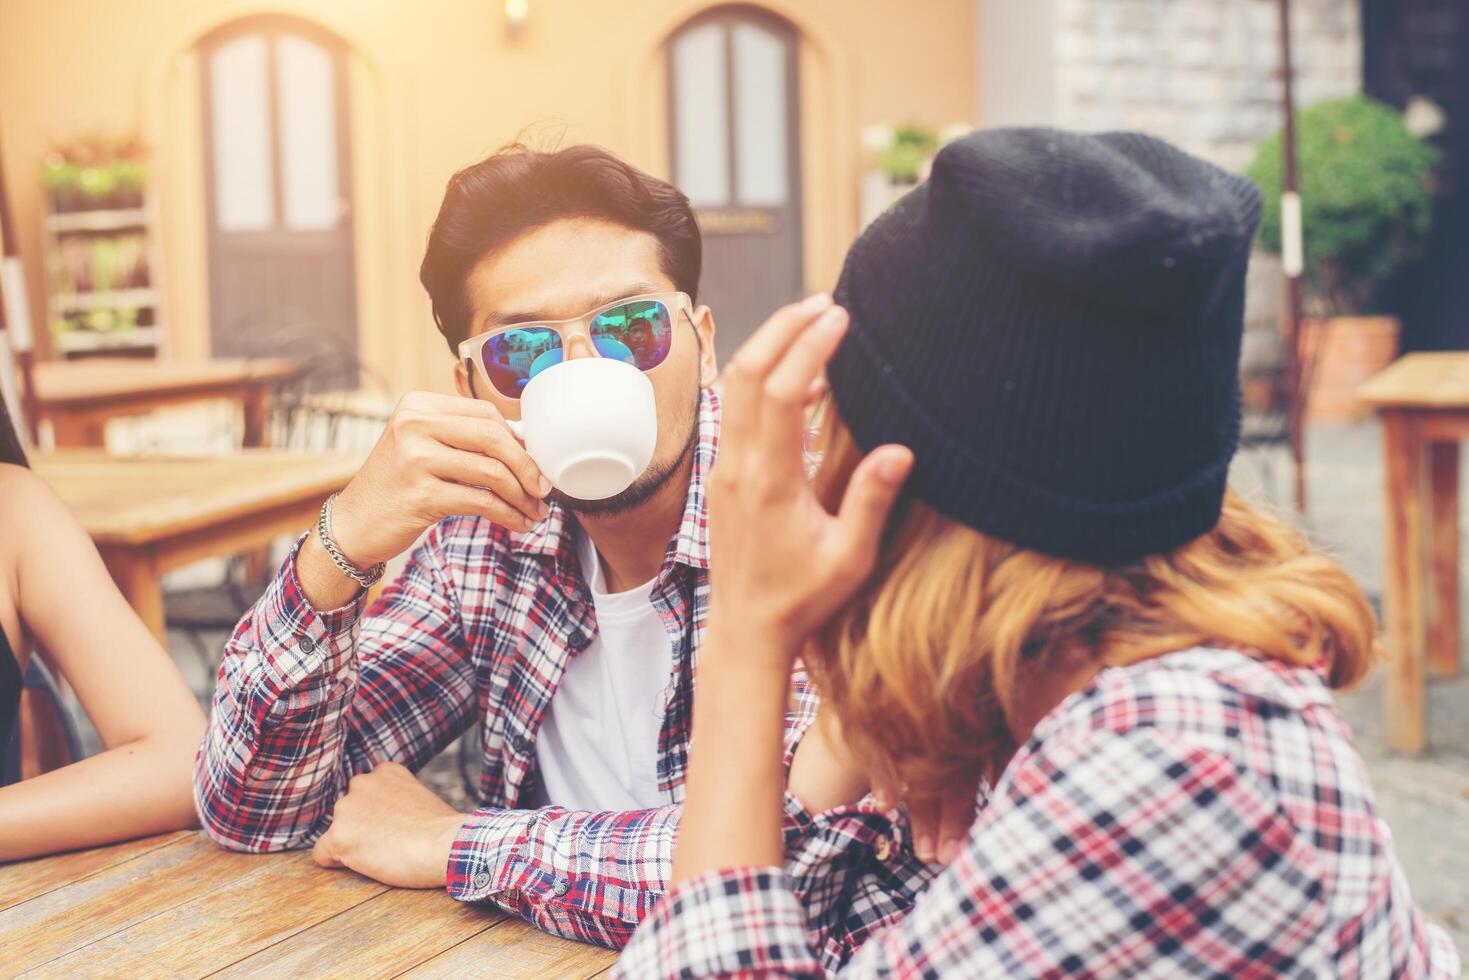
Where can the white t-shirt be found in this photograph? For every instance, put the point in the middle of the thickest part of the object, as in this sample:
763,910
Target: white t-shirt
598,744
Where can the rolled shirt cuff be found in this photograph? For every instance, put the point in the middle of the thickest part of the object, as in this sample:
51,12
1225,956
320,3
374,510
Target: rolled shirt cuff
300,644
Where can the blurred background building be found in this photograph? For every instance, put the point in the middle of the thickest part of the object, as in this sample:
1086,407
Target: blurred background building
1204,74
299,149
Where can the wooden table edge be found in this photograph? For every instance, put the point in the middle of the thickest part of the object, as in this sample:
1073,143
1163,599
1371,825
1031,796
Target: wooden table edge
503,918
495,918
160,841
151,534
222,386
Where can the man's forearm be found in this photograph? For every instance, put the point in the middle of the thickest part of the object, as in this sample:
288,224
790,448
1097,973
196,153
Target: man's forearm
588,876
262,780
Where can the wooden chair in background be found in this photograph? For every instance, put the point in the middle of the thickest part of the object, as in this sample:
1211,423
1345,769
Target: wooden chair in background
47,736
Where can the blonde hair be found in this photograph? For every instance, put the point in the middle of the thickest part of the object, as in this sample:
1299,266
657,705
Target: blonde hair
959,634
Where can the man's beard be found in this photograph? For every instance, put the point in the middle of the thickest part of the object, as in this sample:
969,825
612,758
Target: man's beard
644,488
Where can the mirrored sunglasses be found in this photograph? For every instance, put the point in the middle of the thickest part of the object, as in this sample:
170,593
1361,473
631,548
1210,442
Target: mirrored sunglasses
635,331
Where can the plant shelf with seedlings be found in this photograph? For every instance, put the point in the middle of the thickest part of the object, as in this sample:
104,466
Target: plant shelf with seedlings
89,342
122,219
107,299
102,266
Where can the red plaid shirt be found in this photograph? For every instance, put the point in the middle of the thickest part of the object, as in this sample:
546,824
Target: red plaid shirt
478,630
1201,814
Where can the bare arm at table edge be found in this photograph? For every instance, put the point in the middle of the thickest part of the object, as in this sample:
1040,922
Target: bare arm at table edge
55,592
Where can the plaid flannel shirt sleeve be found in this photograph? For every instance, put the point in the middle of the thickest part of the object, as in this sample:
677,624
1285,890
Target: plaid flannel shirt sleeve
854,872
589,876
305,699
1100,854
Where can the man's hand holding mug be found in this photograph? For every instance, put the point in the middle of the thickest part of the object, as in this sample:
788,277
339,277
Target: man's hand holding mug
440,455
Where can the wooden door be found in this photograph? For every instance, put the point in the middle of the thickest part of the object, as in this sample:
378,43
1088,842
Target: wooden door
1420,48
734,137
281,279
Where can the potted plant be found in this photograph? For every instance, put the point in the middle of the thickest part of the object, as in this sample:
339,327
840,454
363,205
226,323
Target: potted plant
96,173
899,157
1366,210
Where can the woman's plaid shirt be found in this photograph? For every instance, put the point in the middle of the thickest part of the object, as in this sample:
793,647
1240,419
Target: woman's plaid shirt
478,630
1201,814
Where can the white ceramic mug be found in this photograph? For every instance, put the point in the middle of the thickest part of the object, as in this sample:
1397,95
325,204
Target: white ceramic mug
590,424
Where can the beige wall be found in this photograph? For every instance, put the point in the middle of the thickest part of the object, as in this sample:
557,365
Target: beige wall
1017,62
436,84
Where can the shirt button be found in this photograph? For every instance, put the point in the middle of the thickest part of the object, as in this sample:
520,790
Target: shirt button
481,879
520,745
882,848
306,644
561,887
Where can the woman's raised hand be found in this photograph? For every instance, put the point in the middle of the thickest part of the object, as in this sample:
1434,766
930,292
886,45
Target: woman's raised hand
781,565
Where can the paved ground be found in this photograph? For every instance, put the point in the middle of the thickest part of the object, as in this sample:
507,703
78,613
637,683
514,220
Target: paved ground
1424,800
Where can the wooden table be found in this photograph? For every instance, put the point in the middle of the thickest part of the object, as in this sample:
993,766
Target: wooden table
151,514
81,397
1423,400
178,906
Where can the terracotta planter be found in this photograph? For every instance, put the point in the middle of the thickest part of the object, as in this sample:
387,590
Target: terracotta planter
1347,350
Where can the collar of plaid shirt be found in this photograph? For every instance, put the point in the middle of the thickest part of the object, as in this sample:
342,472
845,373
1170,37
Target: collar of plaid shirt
559,620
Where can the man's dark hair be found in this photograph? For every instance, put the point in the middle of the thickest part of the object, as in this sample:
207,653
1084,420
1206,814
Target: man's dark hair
516,189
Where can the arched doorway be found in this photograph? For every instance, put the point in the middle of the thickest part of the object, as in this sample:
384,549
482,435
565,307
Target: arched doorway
278,188
733,98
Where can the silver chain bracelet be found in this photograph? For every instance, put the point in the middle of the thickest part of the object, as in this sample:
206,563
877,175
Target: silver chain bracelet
367,577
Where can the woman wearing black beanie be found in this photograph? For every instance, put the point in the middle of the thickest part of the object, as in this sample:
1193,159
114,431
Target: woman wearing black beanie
1019,567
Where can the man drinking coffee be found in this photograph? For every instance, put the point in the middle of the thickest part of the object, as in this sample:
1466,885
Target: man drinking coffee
564,627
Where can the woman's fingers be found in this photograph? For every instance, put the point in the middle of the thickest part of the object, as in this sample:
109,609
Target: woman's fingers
869,499
940,824
956,814
783,418
744,378
799,367
923,815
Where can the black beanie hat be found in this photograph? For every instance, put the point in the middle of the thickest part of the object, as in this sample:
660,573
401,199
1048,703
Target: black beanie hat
1052,323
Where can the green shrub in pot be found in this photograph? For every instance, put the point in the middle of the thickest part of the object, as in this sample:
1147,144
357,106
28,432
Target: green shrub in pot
903,159
1365,184
62,179
129,176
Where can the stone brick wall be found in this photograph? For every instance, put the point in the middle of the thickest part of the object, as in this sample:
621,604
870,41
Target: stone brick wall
1200,73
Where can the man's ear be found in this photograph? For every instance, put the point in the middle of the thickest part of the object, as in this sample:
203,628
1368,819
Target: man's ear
703,321
463,383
